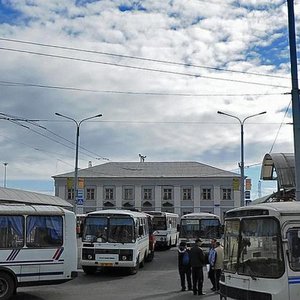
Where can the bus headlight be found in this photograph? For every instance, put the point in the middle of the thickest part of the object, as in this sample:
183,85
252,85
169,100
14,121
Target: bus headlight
90,256
124,257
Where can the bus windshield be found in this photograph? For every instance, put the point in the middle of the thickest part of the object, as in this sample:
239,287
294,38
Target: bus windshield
253,247
159,223
204,228
109,230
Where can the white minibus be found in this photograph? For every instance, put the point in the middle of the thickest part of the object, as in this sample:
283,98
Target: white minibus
38,246
165,226
114,238
262,252
205,226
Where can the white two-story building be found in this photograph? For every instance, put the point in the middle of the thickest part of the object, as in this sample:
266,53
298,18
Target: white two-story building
179,187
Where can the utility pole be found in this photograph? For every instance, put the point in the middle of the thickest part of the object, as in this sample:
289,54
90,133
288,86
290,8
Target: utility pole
295,94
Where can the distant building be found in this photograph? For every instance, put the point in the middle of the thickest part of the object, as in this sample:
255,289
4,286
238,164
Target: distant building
180,187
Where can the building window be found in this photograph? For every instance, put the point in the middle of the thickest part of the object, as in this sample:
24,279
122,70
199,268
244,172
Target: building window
167,194
90,194
70,195
226,194
109,194
147,194
186,194
206,194
128,193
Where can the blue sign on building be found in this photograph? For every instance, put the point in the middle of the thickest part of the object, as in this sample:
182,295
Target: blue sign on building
80,196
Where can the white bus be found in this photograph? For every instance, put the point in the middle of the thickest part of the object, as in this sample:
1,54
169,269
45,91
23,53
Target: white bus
262,252
114,238
165,226
205,226
38,246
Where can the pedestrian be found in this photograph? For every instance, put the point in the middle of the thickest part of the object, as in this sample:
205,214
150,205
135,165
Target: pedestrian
218,263
184,267
211,263
197,263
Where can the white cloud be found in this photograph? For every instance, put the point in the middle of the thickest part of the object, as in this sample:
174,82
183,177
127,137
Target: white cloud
202,33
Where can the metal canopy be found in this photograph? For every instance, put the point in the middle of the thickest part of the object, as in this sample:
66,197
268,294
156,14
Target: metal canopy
20,196
280,167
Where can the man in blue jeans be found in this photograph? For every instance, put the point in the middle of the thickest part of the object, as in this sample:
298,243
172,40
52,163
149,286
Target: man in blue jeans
197,262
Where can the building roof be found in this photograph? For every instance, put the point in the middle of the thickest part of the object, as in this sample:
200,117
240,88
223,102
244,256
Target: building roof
280,166
8,195
151,170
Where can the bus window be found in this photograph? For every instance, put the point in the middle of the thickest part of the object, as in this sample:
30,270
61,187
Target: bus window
11,231
159,223
293,236
260,251
121,230
44,231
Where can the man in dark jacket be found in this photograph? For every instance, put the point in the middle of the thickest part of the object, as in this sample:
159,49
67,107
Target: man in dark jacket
197,262
184,266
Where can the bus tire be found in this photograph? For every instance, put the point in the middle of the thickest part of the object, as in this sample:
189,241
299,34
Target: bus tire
7,286
134,270
142,263
89,270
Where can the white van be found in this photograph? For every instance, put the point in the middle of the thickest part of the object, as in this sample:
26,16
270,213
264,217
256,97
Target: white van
114,238
38,246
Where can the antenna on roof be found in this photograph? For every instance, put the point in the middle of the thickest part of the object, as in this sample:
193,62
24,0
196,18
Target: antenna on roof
142,157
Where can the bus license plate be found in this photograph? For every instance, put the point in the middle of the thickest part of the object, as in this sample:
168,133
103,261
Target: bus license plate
105,264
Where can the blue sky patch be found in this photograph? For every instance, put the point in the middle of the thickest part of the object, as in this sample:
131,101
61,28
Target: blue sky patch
9,15
135,6
274,54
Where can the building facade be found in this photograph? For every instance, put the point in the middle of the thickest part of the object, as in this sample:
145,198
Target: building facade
179,187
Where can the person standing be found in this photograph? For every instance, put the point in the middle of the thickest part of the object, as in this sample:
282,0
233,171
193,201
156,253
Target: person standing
218,264
212,261
197,263
184,266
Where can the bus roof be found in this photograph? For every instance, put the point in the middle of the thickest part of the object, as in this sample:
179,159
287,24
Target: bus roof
121,212
24,209
279,208
162,213
200,215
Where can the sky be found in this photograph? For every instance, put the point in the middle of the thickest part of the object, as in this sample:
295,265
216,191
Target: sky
157,71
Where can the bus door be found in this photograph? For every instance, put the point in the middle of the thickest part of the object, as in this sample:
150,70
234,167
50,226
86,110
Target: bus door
292,234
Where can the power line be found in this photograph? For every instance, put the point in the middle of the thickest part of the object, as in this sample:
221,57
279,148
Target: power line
141,58
286,111
36,85
16,120
141,68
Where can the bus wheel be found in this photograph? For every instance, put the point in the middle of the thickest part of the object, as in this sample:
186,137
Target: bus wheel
89,270
134,270
142,263
7,286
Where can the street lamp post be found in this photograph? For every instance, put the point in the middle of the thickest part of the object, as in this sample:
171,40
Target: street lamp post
4,181
241,165
78,123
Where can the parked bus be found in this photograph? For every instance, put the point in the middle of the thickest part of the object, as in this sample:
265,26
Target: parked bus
262,252
38,246
114,238
165,226
204,226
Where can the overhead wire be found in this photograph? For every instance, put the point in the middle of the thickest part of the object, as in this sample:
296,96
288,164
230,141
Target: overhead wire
143,68
23,84
141,58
